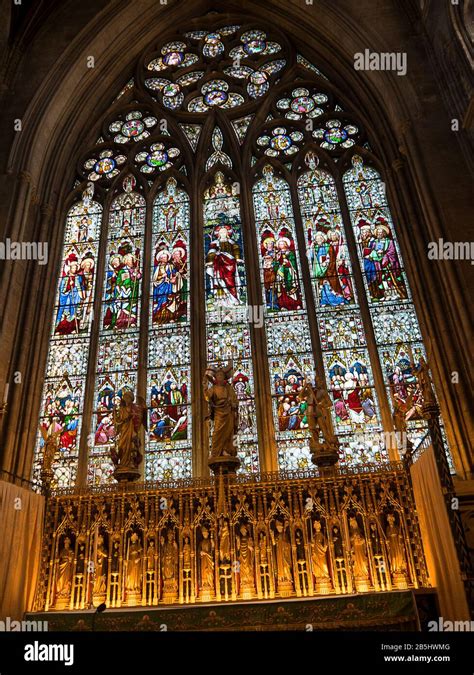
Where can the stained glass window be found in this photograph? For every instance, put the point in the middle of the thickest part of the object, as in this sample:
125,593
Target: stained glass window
396,328
227,328
168,455
290,358
66,369
181,200
118,347
346,360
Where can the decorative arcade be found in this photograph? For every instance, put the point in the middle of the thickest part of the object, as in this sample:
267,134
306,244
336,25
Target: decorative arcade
219,541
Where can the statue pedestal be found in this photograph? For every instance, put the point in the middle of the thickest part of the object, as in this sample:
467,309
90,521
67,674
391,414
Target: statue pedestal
170,591
62,603
285,588
126,474
224,465
400,580
323,586
47,476
325,455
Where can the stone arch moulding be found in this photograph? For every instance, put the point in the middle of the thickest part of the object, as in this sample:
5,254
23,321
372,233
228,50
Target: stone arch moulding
59,128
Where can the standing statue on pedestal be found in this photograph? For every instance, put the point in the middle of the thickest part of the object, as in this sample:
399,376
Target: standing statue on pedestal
128,419
319,558
100,581
282,557
224,542
206,564
245,555
51,437
424,380
64,574
223,411
319,406
395,547
133,583
318,411
358,550
169,565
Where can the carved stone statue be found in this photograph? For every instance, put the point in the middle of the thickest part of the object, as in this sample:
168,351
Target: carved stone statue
359,555
223,411
169,562
51,438
150,556
282,556
424,380
245,553
399,418
206,562
134,565
319,547
115,563
64,573
319,413
128,419
395,546
187,554
100,580
224,542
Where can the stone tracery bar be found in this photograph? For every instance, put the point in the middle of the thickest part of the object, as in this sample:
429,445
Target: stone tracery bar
271,536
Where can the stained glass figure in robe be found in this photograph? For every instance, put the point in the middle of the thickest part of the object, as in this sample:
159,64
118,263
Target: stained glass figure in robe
290,359
169,436
64,387
225,270
346,360
118,347
393,314
169,280
227,329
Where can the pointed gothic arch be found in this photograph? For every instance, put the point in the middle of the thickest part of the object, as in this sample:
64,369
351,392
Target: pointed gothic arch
160,322
33,401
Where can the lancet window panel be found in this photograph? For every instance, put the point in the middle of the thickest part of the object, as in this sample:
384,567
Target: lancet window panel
391,306
66,369
290,360
228,340
118,345
169,434
346,361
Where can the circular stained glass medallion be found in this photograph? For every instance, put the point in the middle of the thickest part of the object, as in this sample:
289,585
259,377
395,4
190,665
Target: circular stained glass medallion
335,135
104,166
216,97
132,128
302,104
157,158
173,58
170,90
255,46
280,142
258,78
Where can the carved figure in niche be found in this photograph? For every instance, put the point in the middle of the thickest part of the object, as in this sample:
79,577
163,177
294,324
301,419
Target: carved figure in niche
169,559
359,555
100,581
282,552
65,570
206,560
395,545
245,552
319,548
134,565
